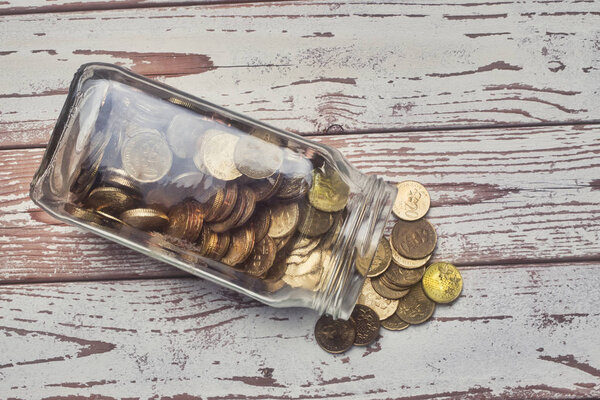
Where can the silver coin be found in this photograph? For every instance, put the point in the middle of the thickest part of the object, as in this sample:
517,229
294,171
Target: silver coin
146,157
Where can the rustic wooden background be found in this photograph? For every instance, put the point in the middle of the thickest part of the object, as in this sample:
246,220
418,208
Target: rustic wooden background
493,105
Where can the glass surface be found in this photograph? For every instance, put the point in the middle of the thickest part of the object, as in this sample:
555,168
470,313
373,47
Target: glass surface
259,210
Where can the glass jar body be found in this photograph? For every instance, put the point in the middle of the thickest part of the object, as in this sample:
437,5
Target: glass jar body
265,212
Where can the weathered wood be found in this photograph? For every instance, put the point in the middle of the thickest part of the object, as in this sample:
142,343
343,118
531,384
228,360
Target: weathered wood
497,196
304,66
518,331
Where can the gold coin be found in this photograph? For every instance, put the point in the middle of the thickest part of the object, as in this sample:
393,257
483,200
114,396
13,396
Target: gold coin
185,220
415,239
256,158
415,308
334,335
261,220
382,259
261,258
281,242
242,243
146,156
407,262
84,214
370,298
331,237
386,291
367,325
230,196
403,277
266,188
250,205
110,200
284,219
221,246
109,221
394,323
328,192
412,201
146,219
118,178
309,264
442,282
312,221
307,281
218,153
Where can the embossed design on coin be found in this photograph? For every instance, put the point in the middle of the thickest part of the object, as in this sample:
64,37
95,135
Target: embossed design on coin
111,200
414,239
328,192
415,307
257,159
389,293
408,262
370,298
284,219
146,157
334,336
312,221
262,257
367,325
217,153
394,323
442,282
403,277
382,259
412,201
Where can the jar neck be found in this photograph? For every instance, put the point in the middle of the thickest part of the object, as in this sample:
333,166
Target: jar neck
368,212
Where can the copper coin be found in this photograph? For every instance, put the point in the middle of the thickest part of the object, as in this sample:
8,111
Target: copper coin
234,216
266,188
242,243
414,239
229,199
256,158
261,220
402,276
111,200
367,325
385,291
207,242
262,257
415,307
312,221
335,336
146,219
213,205
250,205
118,178
394,323
221,246
185,220
284,219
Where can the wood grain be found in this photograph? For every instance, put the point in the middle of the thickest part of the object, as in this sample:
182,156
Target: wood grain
508,335
498,196
305,66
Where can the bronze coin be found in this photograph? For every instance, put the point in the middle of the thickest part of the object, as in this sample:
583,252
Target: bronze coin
415,307
118,178
146,219
284,219
211,207
414,239
367,325
261,220
266,188
281,242
111,200
234,217
221,246
385,291
87,215
207,242
394,323
229,199
242,243
262,257
334,336
277,270
250,205
312,221
402,276
185,220
293,188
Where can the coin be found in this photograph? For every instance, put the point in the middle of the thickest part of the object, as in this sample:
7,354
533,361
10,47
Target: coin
370,298
394,323
207,241
415,307
404,277
217,152
261,220
82,213
147,219
256,158
211,207
382,258
249,207
110,200
229,200
221,246
413,239
281,242
367,325
238,211
442,282
267,187
242,243
183,133
284,219
262,257
307,281
385,291
293,187
407,262
107,220
185,220
118,178
412,201
334,336
303,265
328,192
334,232
146,157
312,221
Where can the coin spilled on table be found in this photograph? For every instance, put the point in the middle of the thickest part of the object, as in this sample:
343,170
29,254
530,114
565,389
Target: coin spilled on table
400,290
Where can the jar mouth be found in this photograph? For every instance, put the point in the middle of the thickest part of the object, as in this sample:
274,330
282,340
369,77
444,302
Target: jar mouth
359,237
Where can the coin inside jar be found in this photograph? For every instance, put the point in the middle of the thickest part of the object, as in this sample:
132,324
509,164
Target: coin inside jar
312,221
110,200
370,298
218,152
242,243
261,258
182,134
256,158
328,192
146,156
284,219
147,219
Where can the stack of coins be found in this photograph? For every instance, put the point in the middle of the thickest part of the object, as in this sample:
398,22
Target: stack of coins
399,290
199,189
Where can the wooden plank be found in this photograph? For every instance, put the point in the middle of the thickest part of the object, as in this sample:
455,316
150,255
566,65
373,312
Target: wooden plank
517,331
497,196
305,66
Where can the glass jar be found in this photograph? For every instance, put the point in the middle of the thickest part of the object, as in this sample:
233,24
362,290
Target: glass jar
267,213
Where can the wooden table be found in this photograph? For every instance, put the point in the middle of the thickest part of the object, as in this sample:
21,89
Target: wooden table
493,105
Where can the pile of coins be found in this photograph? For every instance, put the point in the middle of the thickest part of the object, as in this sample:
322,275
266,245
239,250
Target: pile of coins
399,290
210,190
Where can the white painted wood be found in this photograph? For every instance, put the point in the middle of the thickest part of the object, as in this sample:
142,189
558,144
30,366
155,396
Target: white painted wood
304,66
497,196
518,331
